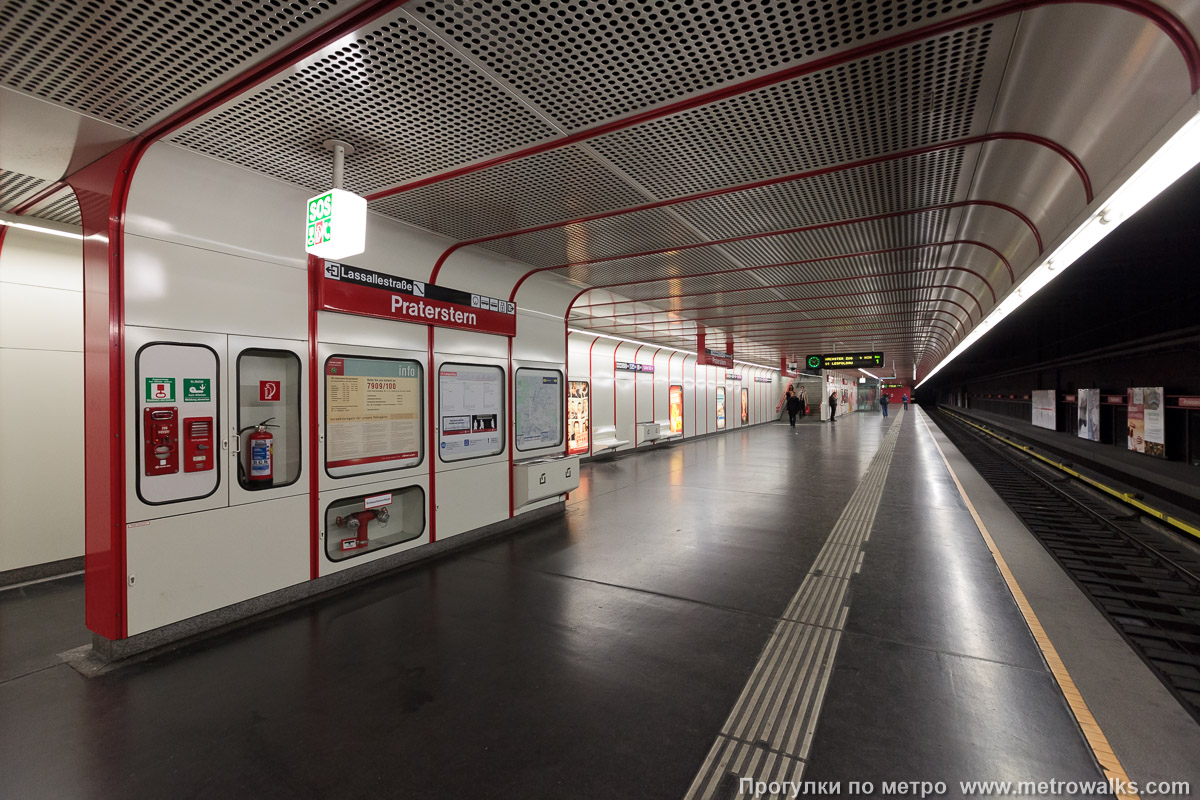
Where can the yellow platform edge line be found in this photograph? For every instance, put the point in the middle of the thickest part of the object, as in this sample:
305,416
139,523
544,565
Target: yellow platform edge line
1124,497
1102,751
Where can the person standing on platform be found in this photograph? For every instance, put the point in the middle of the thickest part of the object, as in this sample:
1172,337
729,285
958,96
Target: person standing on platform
833,406
904,399
793,407
803,402
883,403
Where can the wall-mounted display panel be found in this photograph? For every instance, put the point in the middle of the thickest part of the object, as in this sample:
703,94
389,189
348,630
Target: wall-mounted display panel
538,416
268,419
178,420
579,417
1146,415
720,408
675,403
1044,409
373,415
745,407
1089,414
471,411
355,526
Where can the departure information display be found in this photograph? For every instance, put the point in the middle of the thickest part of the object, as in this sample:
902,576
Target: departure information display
844,360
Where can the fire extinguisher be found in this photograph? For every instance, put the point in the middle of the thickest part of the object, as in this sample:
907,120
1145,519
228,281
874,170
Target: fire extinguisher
262,452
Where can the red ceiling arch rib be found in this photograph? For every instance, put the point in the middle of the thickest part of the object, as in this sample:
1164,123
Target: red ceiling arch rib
776,301
766,235
798,283
437,267
1171,25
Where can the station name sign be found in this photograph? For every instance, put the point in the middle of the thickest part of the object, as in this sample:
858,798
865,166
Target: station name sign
353,290
629,366
761,379
733,376
844,360
713,358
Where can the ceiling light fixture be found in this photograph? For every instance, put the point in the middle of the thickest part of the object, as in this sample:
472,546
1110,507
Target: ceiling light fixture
10,221
1170,162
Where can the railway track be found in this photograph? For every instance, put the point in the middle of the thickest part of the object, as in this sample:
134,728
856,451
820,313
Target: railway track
1140,577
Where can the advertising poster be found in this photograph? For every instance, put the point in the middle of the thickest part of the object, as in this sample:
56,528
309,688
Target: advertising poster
720,408
745,407
472,410
372,414
539,397
1043,409
675,399
579,417
1146,421
1089,414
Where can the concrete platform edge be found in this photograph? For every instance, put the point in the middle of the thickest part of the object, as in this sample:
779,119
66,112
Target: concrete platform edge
1154,737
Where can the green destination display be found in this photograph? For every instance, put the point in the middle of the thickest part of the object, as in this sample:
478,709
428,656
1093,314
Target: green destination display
844,360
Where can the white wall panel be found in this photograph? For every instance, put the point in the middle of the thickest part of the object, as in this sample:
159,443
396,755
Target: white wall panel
539,337
41,399
187,565
169,285
35,318
601,361
35,259
474,495
623,396
183,197
41,460
468,344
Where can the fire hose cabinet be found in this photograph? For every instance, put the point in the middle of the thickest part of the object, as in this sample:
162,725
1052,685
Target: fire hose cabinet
368,523
540,478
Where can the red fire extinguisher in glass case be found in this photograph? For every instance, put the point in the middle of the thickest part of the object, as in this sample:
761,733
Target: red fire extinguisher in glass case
261,472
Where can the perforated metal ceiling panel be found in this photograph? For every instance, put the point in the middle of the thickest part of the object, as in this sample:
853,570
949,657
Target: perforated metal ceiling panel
587,61
128,61
407,103
912,96
15,188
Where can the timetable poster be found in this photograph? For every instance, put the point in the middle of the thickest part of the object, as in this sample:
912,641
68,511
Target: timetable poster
1044,409
720,408
372,414
579,417
745,407
471,405
675,400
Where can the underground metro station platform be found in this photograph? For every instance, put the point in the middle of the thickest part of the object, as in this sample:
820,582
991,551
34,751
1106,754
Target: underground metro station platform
603,399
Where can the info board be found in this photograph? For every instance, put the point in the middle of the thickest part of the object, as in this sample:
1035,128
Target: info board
539,405
579,417
1044,409
372,415
471,405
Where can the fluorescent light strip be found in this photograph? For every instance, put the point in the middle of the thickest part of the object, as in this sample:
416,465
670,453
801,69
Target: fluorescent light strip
1169,163
863,371
39,229
662,346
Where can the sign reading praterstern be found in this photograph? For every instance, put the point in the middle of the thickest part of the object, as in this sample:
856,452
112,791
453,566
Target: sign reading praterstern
352,290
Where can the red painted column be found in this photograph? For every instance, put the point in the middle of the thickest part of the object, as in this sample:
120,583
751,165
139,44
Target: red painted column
101,189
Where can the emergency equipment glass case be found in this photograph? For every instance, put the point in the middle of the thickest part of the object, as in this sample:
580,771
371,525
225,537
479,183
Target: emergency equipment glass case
367,523
268,418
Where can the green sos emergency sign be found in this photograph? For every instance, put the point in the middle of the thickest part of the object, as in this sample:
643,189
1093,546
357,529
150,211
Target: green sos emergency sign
320,220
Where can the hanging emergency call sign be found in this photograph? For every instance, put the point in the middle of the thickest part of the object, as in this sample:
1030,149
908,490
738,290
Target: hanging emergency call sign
352,290
336,225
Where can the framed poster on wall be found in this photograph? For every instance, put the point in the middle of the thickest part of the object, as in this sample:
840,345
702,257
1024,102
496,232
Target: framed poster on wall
539,408
1147,432
579,417
1088,418
675,399
471,407
372,415
720,408
745,407
1044,409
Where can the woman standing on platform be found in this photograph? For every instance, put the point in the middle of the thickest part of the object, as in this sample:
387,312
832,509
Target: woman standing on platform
833,406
